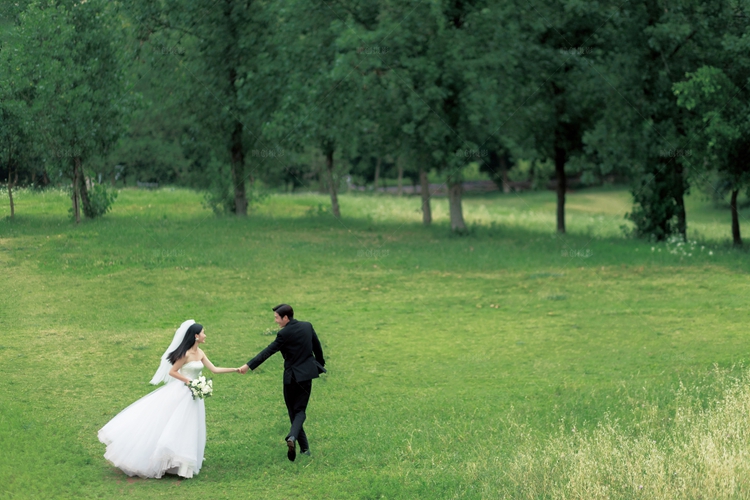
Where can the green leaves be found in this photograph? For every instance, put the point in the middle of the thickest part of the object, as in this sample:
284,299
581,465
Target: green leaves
72,65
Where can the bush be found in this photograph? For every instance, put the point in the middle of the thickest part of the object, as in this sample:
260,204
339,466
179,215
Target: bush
101,200
220,197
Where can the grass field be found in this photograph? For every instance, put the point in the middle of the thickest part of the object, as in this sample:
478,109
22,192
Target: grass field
459,367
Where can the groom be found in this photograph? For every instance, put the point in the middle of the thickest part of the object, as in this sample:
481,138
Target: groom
298,344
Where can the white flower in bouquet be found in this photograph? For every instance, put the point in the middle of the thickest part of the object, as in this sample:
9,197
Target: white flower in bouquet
200,387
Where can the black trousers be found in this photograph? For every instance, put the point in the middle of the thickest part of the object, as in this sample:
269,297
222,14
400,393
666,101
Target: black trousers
296,397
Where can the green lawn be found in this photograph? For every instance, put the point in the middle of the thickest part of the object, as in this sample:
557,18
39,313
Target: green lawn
445,354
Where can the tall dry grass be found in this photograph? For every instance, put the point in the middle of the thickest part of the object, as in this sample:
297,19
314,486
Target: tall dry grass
702,451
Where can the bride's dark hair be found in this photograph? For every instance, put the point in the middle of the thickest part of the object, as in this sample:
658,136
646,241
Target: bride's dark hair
188,341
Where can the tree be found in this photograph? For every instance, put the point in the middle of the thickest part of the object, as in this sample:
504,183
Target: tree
559,80
426,69
497,165
150,149
226,82
320,107
15,144
722,131
652,45
71,59
717,94
14,137
497,86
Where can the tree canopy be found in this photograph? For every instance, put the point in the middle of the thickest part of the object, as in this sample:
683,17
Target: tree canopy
235,96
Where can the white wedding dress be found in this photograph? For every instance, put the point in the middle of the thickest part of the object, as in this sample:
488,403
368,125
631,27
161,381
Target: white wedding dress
163,432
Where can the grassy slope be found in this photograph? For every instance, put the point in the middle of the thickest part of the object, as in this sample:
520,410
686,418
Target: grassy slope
427,381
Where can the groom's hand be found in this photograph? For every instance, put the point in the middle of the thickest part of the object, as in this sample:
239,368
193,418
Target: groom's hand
244,369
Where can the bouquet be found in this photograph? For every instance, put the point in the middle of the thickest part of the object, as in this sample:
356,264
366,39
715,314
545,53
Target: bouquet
201,388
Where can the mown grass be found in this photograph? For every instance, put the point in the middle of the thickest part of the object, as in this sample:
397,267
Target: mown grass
451,358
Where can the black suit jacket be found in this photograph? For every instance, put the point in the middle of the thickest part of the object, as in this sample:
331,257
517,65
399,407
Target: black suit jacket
300,347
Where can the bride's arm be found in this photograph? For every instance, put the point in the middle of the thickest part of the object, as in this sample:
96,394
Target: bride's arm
214,369
175,373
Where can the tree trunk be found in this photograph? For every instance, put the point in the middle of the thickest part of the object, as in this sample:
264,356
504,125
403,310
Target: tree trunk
425,190
10,182
332,184
10,185
76,189
679,199
377,175
400,190
503,161
238,171
237,152
560,157
322,176
455,189
45,178
84,194
10,193
83,191
736,238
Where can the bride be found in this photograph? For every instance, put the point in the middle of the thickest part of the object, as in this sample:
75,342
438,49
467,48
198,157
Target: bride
165,431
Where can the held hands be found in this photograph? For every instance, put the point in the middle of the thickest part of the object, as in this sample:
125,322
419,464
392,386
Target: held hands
243,369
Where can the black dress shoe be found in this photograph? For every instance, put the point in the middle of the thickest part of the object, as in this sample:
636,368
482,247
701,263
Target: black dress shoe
306,452
291,452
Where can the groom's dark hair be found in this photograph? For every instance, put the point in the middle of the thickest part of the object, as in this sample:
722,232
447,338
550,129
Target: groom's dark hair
284,310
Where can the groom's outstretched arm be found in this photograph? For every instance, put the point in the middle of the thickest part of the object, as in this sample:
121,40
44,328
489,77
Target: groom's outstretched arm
317,349
266,353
